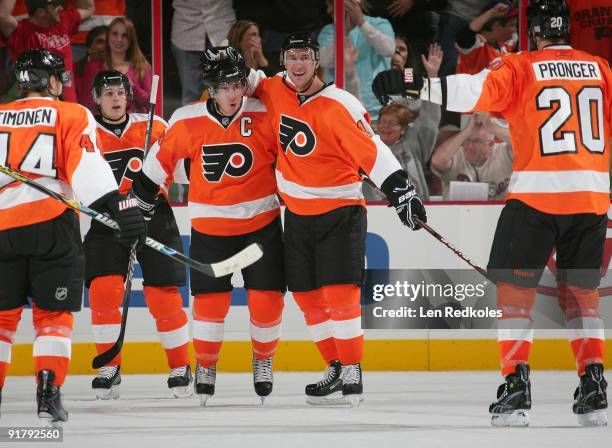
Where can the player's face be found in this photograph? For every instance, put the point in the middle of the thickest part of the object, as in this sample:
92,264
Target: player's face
301,66
229,96
113,102
118,41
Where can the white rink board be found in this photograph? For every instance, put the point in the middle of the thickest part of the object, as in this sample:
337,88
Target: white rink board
469,227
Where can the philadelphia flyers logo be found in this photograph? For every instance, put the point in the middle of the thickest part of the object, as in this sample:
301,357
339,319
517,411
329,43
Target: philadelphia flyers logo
233,159
125,163
296,136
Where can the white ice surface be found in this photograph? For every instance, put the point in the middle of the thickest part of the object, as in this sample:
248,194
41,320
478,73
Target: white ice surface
401,409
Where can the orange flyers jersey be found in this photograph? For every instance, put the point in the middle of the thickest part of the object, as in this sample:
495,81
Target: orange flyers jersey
232,188
473,60
54,143
124,152
558,104
324,144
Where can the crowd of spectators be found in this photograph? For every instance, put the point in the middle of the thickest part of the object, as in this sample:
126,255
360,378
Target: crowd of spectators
431,144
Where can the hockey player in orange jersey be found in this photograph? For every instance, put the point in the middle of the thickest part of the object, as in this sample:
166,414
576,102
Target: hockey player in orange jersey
325,143
229,144
41,255
557,101
121,137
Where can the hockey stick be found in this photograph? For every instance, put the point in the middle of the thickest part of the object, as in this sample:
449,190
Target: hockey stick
241,260
104,358
457,252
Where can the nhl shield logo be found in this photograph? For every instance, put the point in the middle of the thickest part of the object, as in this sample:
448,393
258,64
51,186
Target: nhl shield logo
61,293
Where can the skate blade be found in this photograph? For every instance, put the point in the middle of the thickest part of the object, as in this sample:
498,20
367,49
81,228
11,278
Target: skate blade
518,418
353,400
107,394
263,400
595,418
182,392
335,399
203,399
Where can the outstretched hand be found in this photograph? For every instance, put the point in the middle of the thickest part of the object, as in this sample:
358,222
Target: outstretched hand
433,61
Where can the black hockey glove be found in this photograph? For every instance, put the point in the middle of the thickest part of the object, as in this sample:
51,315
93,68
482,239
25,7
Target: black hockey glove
145,191
402,195
124,210
396,82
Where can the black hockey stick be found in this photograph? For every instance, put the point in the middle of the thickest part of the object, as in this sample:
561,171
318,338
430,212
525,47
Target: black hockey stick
457,252
242,259
104,358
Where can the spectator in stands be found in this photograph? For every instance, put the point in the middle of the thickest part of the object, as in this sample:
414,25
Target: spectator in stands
104,13
411,130
404,55
472,155
95,42
197,25
48,26
373,38
122,53
455,17
244,35
488,36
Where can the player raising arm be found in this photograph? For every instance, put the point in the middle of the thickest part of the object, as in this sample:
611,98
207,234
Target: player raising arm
229,144
121,138
557,101
41,255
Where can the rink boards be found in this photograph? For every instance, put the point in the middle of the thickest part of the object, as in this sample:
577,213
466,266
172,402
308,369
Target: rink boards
469,227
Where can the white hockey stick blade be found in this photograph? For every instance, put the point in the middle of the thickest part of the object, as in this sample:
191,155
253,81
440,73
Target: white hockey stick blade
241,260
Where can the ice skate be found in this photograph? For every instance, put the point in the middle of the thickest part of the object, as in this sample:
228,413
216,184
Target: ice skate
590,398
48,397
262,377
513,400
352,386
328,391
205,382
106,383
179,382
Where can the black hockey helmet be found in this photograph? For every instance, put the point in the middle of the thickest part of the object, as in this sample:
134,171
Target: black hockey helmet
299,40
34,67
222,65
110,78
549,19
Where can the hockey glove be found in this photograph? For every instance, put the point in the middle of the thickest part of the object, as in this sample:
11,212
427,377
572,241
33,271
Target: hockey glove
402,195
145,191
394,82
132,227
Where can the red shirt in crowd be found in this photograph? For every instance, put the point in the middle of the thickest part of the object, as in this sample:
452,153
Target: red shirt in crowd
55,38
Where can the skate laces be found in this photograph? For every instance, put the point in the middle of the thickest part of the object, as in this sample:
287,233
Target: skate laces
206,375
107,372
262,370
351,374
178,371
329,376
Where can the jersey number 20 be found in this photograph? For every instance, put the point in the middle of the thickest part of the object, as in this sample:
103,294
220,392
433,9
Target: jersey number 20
553,139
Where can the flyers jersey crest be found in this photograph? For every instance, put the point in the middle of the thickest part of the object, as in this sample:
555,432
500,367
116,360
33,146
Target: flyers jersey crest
296,136
231,159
